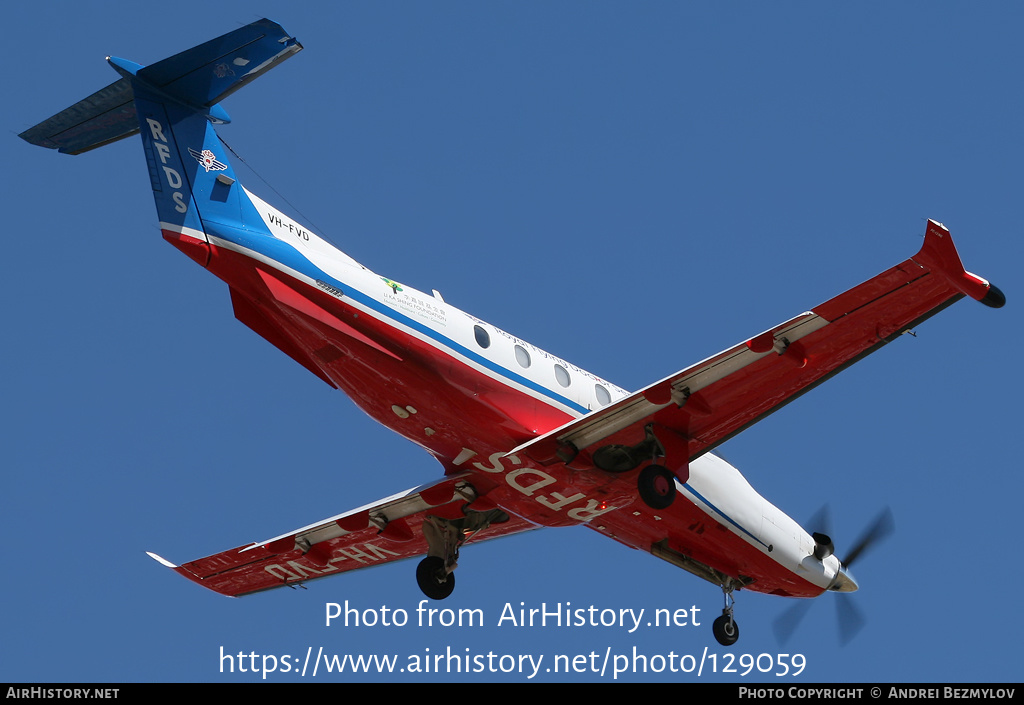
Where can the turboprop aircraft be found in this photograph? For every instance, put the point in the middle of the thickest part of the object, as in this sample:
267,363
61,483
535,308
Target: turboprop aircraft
524,438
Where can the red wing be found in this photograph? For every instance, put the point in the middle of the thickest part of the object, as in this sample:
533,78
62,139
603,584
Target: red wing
386,531
698,408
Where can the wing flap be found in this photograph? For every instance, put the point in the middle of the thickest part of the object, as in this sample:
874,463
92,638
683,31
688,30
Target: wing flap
680,389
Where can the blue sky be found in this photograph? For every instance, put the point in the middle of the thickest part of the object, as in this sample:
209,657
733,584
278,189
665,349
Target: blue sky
632,187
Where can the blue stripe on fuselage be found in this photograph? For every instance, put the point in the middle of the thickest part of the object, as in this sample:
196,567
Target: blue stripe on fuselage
722,514
286,255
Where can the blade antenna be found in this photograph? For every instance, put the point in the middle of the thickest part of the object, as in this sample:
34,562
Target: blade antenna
312,225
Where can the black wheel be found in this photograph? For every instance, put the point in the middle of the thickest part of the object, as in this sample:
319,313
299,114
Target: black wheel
657,486
432,579
726,630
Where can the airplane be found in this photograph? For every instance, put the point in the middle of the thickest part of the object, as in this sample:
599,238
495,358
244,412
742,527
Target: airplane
525,439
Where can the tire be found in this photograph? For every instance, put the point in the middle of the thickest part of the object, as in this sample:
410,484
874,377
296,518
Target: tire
657,486
726,630
428,574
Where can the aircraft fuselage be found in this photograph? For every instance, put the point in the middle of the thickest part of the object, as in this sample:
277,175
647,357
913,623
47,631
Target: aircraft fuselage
468,392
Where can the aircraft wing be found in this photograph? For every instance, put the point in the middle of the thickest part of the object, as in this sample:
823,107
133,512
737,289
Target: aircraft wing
388,530
702,406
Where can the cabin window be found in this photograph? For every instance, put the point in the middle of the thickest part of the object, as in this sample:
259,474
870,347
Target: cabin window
562,375
483,338
603,397
522,356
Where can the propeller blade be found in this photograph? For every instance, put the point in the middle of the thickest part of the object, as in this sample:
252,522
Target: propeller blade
880,529
851,620
786,624
821,521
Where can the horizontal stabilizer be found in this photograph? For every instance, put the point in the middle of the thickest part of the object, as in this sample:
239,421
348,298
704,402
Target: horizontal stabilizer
198,77
208,73
106,116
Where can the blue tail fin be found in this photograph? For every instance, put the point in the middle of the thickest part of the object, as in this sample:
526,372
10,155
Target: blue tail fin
174,103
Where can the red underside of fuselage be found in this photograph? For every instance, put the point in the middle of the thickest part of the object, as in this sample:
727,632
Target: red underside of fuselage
449,408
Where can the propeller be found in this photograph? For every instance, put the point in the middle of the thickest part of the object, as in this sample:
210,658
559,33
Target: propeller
850,619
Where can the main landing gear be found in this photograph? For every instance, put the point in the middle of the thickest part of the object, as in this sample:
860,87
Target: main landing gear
725,629
656,484
435,574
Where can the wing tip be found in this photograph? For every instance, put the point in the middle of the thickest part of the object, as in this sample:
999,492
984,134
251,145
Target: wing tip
995,298
185,572
939,254
161,560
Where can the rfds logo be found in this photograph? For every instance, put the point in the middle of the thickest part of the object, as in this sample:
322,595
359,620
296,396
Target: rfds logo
207,159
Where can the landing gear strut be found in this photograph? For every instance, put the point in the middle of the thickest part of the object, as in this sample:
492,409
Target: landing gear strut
435,574
725,628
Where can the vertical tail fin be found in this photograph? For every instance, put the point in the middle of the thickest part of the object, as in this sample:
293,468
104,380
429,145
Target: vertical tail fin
191,179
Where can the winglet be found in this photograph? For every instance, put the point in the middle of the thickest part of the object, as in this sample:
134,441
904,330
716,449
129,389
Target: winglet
939,254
